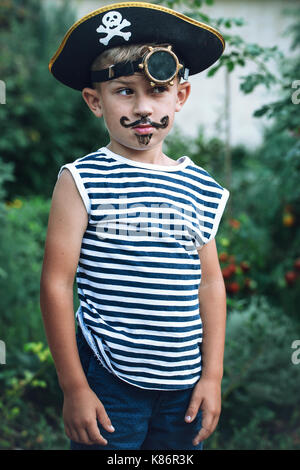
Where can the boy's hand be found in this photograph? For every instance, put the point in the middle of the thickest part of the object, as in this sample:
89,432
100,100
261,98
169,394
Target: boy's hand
207,396
81,410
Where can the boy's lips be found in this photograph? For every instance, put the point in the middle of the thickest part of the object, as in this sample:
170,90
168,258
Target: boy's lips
143,129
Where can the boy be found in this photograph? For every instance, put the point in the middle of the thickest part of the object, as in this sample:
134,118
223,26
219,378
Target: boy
139,228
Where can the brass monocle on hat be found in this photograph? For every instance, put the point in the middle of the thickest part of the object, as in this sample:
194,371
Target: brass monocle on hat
160,66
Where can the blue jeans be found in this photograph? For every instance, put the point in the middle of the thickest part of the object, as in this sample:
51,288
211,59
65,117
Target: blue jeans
143,419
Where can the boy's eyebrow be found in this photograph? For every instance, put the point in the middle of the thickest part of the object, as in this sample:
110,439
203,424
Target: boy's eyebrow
123,82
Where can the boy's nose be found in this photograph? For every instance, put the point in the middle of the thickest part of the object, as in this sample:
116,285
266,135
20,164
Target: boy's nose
142,107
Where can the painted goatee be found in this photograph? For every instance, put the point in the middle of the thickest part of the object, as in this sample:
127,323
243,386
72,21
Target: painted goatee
143,139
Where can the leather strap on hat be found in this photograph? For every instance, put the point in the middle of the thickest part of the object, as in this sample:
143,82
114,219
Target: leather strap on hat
160,66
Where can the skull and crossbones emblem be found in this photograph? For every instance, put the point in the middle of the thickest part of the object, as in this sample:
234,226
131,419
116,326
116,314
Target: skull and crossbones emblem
112,25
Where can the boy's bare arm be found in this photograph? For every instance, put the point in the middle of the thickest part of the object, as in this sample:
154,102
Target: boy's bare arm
212,300
67,223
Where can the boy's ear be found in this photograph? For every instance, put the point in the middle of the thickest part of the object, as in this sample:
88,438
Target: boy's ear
183,93
92,99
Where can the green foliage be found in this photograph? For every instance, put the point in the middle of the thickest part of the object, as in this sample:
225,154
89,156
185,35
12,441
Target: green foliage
40,121
6,174
30,397
28,420
21,253
260,388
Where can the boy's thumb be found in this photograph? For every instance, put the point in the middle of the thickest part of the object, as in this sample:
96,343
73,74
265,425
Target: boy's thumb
191,412
188,418
104,419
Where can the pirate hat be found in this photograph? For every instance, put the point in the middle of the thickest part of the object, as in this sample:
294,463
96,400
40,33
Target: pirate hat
196,44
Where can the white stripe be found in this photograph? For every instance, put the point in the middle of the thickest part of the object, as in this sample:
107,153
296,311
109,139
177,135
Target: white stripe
146,259
169,192
148,370
134,300
155,362
139,311
177,180
160,249
170,354
142,268
144,280
147,323
138,290
167,334
161,381
149,342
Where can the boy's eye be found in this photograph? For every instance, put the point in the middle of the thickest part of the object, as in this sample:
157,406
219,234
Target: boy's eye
125,91
159,89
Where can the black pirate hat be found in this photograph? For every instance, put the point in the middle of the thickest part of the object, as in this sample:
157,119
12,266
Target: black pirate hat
196,44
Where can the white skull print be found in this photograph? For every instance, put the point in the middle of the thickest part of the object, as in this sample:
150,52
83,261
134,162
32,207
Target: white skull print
112,25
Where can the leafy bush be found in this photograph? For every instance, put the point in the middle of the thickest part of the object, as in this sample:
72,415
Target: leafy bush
41,118
21,254
30,418
260,389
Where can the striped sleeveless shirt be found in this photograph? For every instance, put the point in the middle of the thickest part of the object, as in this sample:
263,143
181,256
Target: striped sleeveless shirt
139,270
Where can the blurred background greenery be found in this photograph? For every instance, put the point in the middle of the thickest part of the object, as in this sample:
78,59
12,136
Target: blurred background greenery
258,241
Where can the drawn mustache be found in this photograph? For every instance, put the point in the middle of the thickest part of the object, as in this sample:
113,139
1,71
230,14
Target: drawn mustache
145,120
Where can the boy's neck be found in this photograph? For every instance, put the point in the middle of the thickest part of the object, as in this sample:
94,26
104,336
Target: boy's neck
154,156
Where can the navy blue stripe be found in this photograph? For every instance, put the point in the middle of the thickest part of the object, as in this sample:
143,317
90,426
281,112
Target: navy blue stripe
154,367
132,315
136,243
132,262
82,276
149,254
138,295
158,376
154,357
136,305
132,273
133,194
171,329
151,347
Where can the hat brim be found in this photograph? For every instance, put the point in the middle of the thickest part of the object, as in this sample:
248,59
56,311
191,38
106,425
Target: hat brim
196,43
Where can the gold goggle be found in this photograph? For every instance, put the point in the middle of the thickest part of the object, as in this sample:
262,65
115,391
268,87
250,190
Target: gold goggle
160,66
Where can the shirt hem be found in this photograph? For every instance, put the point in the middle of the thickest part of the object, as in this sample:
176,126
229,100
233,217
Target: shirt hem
104,360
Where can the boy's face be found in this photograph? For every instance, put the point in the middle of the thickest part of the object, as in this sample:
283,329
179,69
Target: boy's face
137,115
